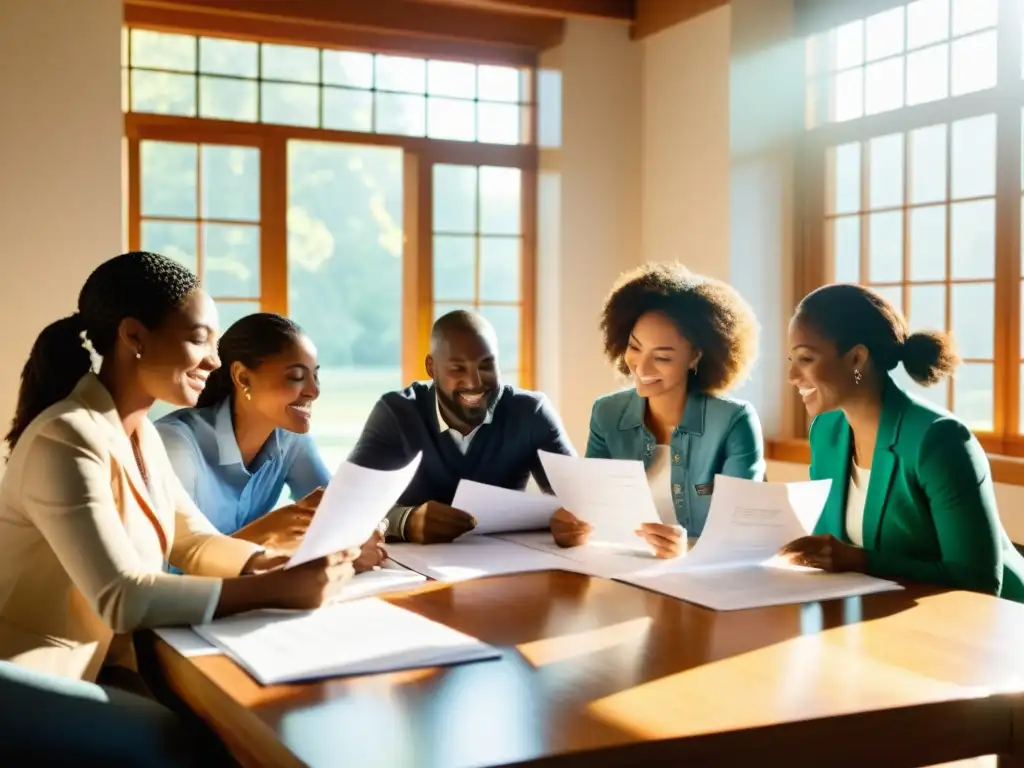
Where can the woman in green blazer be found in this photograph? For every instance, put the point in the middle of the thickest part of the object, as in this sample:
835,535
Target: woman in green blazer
912,494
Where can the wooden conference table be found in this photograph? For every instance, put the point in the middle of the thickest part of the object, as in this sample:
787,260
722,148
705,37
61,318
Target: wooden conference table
598,673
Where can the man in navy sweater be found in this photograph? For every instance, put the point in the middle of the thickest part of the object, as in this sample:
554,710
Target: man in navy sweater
466,423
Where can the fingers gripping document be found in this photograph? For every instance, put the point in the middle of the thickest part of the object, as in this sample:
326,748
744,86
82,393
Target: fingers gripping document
732,566
501,510
354,503
610,494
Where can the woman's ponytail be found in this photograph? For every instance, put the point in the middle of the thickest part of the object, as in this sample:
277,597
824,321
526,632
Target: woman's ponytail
58,360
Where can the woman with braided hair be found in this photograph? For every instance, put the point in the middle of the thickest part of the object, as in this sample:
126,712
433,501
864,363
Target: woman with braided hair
249,437
911,493
91,512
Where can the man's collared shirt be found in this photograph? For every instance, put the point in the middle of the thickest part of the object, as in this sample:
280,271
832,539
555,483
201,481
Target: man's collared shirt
461,441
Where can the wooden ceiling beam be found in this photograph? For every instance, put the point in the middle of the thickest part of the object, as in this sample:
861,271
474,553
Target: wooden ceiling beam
618,10
652,16
382,17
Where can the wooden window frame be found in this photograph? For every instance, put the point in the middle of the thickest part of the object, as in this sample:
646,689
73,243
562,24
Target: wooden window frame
1006,102
420,155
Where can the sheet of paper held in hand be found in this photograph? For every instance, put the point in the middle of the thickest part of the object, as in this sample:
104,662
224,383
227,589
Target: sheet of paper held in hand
358,638
353,504
501,510
610,494
734,563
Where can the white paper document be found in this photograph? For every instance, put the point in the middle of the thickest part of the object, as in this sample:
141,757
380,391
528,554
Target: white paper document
353,504
734,566
757,586
498,510
749,521
610,494
186,642
357,638
472,557
603,560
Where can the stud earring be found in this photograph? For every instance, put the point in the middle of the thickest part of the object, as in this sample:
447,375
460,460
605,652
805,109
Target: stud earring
857,376
138,355
247,392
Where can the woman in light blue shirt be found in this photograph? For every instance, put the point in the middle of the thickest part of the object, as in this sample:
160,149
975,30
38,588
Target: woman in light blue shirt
684,340
249,437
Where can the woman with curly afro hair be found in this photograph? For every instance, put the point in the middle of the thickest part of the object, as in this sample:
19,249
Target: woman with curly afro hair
684,340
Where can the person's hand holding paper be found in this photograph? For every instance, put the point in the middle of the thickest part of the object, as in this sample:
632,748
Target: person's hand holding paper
353,505
437,523
824,552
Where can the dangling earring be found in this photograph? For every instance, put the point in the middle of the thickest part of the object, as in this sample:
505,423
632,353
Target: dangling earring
138,355
856,376
694,369
247,392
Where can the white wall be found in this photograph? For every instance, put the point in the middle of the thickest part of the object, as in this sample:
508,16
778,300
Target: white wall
589,207
686,144
60,164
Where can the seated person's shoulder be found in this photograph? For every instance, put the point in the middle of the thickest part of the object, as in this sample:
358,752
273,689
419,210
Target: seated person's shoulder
612,405
64,426
724,408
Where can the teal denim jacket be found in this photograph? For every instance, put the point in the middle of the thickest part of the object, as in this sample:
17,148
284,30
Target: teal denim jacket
717,436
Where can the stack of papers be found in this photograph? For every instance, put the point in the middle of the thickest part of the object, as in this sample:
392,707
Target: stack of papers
472,557
734,565
364,637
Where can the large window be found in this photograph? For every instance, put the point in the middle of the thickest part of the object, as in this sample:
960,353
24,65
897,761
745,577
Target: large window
361,193
914,188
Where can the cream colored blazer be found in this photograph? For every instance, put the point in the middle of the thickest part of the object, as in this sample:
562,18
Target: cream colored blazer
84,542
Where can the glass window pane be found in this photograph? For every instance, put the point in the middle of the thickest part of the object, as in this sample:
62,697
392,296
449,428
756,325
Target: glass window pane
231,260
163,50
928,243
848,95
970,15
506,326
398,73
927,311
290,62
847,43
937,394
124,47
927,22
500,200
974,157
224,98
230,182
451,78
348,68
231,312
126,104
174,239
885,247
843,240
844,179
885,171
973,320
345,278
455,201
883,86
454,268
973,239
163,93
498,123
168,179
228,57
974,63
972,395
928,75
500,261
287,104
884,34
928,164
498,83
450,119
401,114
347,110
